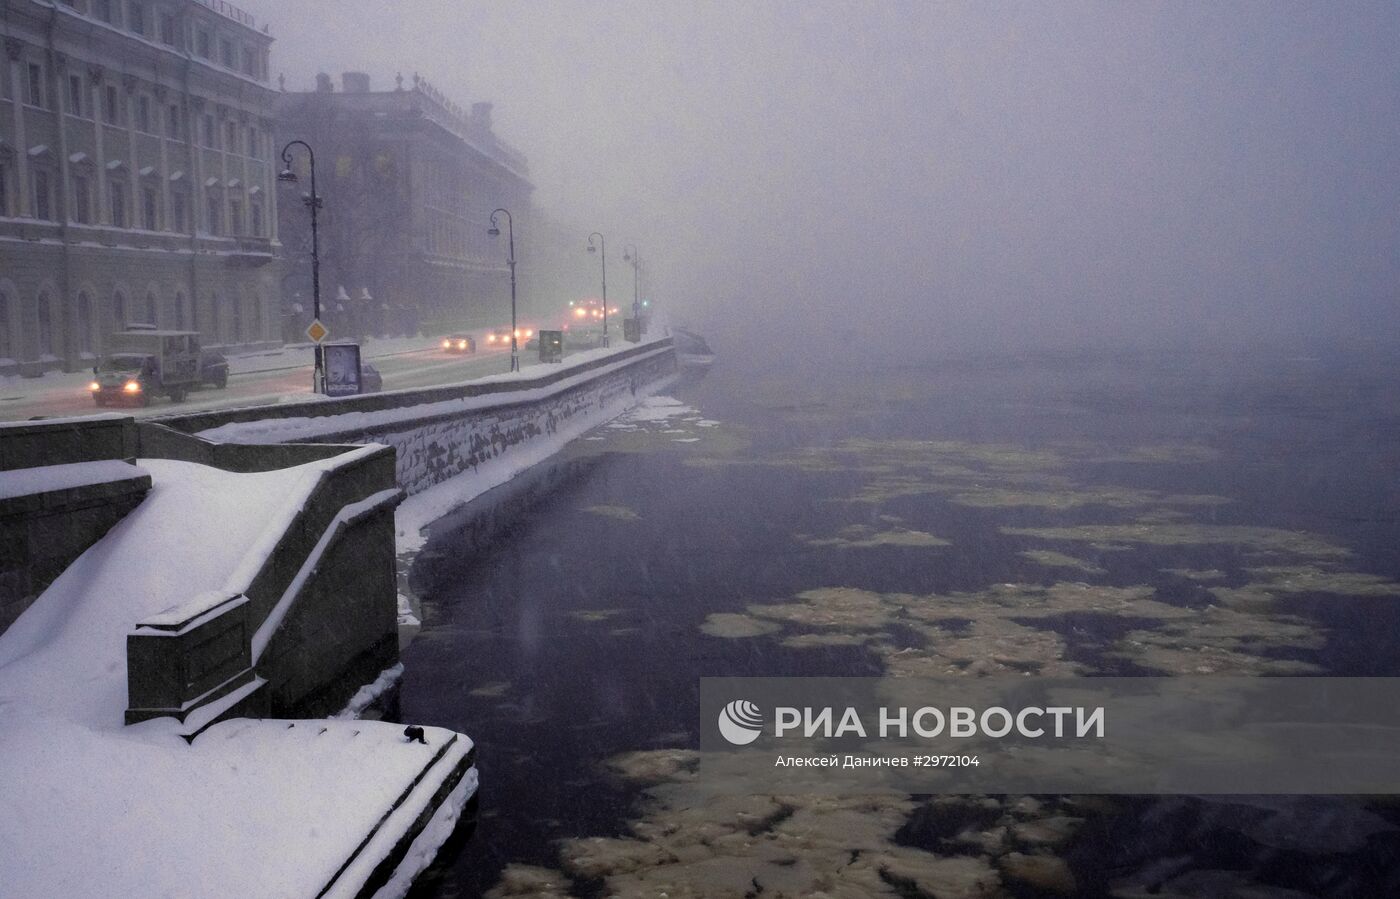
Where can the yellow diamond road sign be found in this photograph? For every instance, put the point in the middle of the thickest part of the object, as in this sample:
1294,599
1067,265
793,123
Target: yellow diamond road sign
317,331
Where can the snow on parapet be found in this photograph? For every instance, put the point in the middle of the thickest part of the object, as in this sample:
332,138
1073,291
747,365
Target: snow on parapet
184,616
306,427
199,529
52,478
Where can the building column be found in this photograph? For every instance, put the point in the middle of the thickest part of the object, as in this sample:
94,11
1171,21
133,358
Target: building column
13,51
67,316
99,113
133,176
194,107
164,172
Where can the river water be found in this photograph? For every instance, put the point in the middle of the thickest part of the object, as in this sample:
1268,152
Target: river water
761,524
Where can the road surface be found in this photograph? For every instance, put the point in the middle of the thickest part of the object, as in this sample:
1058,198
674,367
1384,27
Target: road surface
255,379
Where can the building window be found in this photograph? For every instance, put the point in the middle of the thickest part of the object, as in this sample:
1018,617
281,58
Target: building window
167,29
103,10
75,94
209,133
143,113
152,310
214,214
84,322
136,17
119,311
179,311
253,142
235,217
117,192
149,206
82,200
202,44
4,186
172,121
43,194
179,204
7,349
112,106
255,211
37,95
226,53
46,342
250,62
231,136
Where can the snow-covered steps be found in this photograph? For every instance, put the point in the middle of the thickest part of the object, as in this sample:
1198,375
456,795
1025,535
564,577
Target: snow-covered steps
411,831
249,808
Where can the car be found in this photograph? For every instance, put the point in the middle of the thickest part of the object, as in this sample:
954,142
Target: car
371,381
459,343
501,336
583,338
124,378
213,369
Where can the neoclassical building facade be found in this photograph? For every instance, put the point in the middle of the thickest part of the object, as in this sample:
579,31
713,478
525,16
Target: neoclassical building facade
137,176
408,181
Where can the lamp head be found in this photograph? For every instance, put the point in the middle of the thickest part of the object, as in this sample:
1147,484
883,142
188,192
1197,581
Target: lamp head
288,176
592,249
494,231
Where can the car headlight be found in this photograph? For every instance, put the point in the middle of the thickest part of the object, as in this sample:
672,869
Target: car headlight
94,386
447,344
461,344
132,387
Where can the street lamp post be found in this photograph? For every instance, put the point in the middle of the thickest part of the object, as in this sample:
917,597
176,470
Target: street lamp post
603,246
495,231
313,202
630,254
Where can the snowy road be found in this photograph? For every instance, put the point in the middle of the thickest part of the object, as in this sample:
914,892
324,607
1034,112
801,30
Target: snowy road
279,376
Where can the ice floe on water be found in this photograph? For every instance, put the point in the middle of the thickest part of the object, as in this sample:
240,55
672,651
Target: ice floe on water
666,423
1014,629
860,536
618,512
659,408
689,843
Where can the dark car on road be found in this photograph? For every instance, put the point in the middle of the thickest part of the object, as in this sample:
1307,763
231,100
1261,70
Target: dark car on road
459,343
125,379
371,381
213,369
501,336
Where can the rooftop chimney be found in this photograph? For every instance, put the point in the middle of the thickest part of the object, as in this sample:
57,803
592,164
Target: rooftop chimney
323,83
354,82
481,115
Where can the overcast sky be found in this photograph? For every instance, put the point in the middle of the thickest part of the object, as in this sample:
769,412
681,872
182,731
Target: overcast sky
1013,170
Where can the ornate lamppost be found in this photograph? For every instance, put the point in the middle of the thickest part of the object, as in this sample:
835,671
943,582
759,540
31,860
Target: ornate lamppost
495,231
630,254
603,247
313,202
